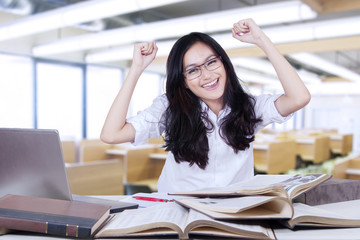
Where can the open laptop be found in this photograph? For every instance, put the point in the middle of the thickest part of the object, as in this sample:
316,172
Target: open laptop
32,164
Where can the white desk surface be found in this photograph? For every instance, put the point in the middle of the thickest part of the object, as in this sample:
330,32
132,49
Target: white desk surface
281,233
158,156
118,152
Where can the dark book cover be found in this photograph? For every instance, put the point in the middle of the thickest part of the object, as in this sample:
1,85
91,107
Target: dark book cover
51,216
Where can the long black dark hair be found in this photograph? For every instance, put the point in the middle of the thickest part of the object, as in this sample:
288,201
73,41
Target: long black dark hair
186,125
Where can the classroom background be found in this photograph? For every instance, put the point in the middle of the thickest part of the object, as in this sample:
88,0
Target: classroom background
63,61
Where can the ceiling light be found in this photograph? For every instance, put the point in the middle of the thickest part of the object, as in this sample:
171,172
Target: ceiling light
302,32
292,33
266,14
75,14
326,66
264,66
336,88
248,76
256,64
125,53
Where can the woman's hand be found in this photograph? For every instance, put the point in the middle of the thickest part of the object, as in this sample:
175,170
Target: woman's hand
116,129
296,95
248,31
144,54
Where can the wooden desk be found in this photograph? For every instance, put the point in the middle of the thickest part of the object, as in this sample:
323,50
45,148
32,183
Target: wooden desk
116,152
158,156
348,168
314,149
312,146
274,157
139,166
93,150
280,232
341,143
69,150
104,177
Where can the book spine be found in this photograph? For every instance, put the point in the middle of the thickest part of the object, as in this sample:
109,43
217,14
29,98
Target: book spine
44,227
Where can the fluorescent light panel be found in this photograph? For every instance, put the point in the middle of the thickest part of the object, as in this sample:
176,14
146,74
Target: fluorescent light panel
335,88
292,33
273,13
264,66
125,53
325,65
75,14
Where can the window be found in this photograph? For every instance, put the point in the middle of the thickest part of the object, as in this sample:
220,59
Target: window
103,84
59,98
16,92
147,89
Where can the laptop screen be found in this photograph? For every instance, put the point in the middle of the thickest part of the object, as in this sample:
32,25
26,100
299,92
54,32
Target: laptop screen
31,163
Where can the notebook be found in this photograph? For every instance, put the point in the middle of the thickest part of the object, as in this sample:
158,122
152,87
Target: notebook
32,164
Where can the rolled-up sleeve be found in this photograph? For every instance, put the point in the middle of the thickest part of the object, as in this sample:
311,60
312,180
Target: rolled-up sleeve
266,109
149,122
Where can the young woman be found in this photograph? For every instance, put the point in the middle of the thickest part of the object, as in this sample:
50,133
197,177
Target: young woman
208,120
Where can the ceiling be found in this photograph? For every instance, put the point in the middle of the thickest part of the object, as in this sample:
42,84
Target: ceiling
343,51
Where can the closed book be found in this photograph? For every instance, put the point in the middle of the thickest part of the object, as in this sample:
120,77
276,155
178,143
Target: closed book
52,216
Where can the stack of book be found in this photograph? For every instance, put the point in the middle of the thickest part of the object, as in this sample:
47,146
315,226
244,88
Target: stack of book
52,216
244,210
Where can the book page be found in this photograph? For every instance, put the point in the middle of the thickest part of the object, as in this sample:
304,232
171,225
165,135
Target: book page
274,185
227,205
202,224
250,207
296,183
319,234
140,198
259,184
292,184
347,209
130,221
301,209
314,216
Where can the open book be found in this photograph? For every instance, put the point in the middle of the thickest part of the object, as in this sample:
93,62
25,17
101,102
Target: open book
319,216
171,218
248,207
288,186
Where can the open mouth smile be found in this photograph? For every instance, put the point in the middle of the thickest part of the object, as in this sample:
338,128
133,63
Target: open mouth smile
210,84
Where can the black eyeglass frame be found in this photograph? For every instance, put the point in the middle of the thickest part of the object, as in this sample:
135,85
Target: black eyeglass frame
199,67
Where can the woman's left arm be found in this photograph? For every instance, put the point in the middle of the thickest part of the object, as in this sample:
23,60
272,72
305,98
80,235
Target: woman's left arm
296,94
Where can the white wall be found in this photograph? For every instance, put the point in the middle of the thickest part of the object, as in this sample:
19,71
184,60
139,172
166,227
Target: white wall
340,112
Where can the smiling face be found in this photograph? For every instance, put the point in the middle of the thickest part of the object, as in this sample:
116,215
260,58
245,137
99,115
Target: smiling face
210,85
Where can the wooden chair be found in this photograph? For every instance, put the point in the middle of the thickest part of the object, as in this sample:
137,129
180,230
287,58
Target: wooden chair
140,168
158,140
341,143
69,150
93,150
348,168
311,145
96,177
274,157
315,149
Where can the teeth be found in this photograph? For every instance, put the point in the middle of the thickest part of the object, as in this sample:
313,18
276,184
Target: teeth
210,83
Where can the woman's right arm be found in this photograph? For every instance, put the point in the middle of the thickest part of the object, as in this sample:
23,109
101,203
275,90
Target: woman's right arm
115,129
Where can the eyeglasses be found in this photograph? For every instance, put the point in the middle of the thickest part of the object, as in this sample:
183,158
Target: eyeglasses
210,65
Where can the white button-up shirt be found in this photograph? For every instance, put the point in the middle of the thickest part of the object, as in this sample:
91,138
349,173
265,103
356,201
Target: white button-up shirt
224,165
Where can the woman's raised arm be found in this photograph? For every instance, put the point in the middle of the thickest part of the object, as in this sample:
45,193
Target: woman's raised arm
296,94
115,129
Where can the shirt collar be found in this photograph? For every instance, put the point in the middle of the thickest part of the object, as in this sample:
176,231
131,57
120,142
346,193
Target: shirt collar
223,112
